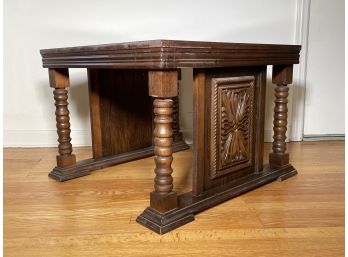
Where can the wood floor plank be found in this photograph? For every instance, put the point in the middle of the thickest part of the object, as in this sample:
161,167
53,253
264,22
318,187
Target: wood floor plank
95,215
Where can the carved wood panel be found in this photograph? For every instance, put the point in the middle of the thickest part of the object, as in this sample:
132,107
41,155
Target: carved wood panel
232,105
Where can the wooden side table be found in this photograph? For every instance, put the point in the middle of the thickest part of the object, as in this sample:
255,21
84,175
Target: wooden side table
229,102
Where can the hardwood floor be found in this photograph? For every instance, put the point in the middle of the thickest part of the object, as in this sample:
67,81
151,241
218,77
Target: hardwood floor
95,215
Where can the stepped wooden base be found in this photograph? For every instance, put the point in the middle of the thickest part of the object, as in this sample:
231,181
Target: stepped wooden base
190,205
85,167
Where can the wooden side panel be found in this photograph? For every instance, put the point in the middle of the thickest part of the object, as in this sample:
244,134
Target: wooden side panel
228,122
260,117
121,111
93,86
198,131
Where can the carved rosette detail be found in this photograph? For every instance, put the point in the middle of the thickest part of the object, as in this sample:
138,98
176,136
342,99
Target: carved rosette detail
234,125
231,124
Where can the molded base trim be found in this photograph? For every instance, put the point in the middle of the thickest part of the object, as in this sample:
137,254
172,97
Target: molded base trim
190,205
162,223
85,167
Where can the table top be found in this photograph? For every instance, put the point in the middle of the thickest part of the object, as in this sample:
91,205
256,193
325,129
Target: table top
170,54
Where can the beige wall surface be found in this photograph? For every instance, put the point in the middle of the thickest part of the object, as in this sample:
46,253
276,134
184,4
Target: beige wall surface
33,25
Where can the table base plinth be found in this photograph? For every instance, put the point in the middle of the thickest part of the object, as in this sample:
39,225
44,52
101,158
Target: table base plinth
190,205
85,167
229,99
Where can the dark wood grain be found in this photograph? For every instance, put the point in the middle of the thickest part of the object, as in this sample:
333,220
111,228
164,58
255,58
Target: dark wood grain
229,101
199,89
170,54
65,157
121,121
87,166
208,145
281,75
59,80
177,135
190,205
94,107
125,110
163,83
163,198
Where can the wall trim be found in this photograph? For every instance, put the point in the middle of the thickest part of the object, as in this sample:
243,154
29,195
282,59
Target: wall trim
48,138
300,72
327,137
43,138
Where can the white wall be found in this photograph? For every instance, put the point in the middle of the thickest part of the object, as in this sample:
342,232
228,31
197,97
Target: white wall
324,100
32,25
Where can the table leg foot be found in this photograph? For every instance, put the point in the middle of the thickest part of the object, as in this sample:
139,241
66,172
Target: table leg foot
162,223
287,175
85,167
189,205
64,174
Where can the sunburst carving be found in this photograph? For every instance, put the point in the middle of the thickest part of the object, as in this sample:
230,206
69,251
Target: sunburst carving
235,104
231,124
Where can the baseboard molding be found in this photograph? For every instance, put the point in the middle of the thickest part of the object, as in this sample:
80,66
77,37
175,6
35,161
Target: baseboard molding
43,138
300,71
48,138
187,135
324,137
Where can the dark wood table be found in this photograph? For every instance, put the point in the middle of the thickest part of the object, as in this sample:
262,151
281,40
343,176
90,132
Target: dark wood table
229,84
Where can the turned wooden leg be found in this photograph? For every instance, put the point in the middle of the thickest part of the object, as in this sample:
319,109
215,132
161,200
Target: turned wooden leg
59,80
163,86
177,136
282,75
163,198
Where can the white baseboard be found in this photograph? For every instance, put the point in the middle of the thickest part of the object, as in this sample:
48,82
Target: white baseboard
43,138
328,137
268,135
48,138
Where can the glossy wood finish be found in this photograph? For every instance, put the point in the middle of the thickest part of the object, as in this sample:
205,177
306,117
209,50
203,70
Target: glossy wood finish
177,135
229,92
123,115
215,184
170,54
163,198
121,128
279,156
85,167
198,131
215,146
163,83
59,80
95,215
282,75
65,157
